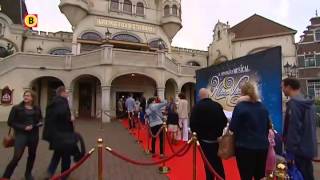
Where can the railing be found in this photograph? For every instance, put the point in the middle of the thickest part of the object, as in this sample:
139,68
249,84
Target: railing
94,58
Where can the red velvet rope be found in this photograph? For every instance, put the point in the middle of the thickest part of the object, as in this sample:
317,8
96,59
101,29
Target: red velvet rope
172,149
74,167
316,160
207,163
188,146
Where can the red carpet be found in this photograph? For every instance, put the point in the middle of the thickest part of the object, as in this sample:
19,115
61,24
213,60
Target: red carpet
181,167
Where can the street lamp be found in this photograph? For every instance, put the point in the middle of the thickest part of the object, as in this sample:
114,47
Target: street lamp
39,49
290,70
160,44
108,34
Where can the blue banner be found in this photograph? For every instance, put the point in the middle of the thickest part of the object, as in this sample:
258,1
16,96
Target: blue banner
263,69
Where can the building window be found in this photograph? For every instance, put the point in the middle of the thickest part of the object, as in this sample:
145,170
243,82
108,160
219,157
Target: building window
311,61
91,36
140,9
158,44
174,10
60,52
166,10
193,63
3,52
126,37
127,6
314,88
114,5
317,35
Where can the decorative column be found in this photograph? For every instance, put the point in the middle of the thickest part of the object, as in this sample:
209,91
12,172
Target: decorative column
70,100
44,95
106,110
106,55
161,93
161,58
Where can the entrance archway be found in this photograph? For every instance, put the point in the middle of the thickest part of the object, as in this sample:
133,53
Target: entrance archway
189,89
86,97
137,84
45,88
171,88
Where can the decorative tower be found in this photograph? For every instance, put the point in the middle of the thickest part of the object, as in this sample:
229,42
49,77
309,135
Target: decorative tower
74,10
171,17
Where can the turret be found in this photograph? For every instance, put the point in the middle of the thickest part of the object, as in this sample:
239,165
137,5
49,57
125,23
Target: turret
74,10
171,17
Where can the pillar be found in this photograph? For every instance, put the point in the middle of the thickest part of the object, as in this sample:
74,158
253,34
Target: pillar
161,93
44,95
70,99
105,100
106,55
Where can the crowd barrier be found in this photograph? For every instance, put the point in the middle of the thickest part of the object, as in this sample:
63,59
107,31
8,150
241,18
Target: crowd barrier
193,144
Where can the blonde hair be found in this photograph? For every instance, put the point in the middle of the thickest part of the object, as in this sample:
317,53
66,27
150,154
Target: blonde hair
249,89
33,95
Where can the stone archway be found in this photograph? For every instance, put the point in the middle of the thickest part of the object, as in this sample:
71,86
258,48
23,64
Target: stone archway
86,98
45,88
189,89
171,88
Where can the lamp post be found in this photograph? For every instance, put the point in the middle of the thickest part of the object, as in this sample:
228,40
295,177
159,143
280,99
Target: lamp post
291,70
108,34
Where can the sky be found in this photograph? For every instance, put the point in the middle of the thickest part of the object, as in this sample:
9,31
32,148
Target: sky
200,16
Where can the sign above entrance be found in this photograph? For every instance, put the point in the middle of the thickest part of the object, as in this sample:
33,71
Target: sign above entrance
125,25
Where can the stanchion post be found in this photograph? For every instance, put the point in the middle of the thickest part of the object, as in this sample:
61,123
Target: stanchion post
100,159
194,156
139,127
164,169
147,151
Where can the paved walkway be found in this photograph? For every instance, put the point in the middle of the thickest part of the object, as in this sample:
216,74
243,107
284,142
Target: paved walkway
114,136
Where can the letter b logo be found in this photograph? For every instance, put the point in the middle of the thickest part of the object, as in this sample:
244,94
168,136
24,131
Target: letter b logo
31,20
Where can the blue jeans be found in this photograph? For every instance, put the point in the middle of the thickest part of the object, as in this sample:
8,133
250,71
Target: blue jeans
65,162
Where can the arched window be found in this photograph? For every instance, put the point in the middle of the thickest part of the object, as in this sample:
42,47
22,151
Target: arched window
175,10
126,37
317,35
60,51
158,44
140,9
166,10
193,63
114,5
91,36
127,6
3,52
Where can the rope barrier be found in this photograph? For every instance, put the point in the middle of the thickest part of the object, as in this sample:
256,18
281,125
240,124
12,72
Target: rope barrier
188,146
157,134
207,163
74,167
172,149
316,160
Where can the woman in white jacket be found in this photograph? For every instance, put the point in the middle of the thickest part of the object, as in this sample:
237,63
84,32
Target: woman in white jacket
183,116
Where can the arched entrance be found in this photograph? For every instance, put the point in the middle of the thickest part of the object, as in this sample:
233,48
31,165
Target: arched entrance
137,84
86,97
171,89
190,91
45,88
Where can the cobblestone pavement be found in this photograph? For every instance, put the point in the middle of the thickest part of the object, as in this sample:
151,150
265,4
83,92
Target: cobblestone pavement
113,134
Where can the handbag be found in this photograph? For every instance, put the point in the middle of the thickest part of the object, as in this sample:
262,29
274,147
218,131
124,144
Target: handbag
8,140
226,145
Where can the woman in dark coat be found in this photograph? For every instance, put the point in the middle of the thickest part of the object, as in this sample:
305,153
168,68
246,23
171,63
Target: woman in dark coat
25,118
59,131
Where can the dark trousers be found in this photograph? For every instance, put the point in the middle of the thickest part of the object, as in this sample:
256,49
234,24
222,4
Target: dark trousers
305,166
22,141
131,120
65,162
154,131
210,150
251,163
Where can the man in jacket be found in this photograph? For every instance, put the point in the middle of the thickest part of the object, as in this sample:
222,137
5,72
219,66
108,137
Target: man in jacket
59,131
299,128
208,120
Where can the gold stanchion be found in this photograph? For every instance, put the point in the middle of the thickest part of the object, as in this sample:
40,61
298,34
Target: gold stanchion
281,172
147,151
100,159
164,169
194,156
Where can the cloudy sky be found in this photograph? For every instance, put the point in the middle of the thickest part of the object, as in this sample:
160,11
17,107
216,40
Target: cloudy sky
200,16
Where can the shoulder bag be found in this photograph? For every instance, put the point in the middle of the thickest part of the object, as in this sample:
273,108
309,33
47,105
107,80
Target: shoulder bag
8,140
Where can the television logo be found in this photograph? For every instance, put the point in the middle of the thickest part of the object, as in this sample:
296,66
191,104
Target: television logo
31,21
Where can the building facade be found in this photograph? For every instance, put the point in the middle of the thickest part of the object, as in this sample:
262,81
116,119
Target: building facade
308,51
252,35
116,48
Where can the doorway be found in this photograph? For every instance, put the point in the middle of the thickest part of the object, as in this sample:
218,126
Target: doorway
85,99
